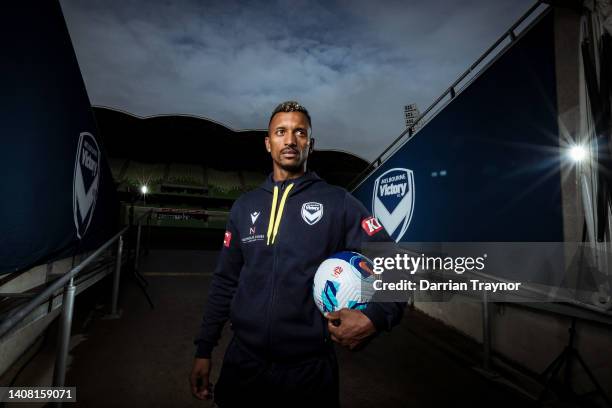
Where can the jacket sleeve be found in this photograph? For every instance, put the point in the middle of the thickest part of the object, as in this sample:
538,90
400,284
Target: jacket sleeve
221,291
362,228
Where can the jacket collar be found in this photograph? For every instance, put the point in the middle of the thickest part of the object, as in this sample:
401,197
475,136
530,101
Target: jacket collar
299,183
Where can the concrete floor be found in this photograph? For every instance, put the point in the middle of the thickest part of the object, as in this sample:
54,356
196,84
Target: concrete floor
144,358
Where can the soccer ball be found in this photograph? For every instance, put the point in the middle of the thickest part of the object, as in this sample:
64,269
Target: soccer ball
344,280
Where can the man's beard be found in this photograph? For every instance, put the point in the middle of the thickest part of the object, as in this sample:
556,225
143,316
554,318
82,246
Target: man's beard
292,167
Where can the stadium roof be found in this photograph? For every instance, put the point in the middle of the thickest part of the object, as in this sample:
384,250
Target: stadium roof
198,140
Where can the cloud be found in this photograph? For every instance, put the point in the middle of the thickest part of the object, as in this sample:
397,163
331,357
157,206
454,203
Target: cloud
353,64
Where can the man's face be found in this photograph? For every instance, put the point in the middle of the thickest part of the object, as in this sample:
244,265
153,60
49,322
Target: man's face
288,141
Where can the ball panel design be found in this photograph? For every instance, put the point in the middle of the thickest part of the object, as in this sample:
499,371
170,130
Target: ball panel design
344,280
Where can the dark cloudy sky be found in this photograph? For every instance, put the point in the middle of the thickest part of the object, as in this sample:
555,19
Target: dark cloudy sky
352,64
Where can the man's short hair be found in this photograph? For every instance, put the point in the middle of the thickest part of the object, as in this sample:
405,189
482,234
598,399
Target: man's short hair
290,106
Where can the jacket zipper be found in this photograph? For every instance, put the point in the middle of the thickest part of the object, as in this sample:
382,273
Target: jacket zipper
273,295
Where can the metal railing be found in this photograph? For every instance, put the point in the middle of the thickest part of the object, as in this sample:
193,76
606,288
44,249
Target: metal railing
451,91
67,282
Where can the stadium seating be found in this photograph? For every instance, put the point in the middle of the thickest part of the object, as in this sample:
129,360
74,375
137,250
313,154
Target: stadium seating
186,174
224,184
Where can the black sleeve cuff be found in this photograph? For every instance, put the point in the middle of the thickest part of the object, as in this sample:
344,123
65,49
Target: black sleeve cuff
204,349
385,315
377,317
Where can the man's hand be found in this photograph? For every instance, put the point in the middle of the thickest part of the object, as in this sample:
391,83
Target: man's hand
200,385
354,328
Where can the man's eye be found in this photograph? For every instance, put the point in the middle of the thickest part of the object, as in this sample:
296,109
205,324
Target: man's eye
280,132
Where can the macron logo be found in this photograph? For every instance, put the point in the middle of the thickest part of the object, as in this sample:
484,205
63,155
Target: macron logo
254,216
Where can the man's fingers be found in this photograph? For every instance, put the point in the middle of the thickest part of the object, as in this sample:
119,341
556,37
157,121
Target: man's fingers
343,342
340,340
199,385
203,391
333,329
199,381
336,322
193,382
198,391
332,315
208,391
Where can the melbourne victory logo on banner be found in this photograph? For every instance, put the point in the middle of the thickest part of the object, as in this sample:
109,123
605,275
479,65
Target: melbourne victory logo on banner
393,201
86,182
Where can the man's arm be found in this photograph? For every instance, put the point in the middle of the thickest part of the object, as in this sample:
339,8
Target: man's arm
217,310
222,289
360,228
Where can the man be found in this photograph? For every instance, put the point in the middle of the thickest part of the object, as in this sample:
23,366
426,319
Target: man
276,237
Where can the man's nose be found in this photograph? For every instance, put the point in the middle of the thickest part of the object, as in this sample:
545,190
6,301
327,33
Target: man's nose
290,139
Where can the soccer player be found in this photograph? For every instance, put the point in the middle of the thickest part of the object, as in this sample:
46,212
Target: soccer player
281,352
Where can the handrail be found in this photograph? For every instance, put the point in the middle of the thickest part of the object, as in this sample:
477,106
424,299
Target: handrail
14,319
450,90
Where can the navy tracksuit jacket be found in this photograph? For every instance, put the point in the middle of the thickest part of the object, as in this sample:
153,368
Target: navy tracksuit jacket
277,235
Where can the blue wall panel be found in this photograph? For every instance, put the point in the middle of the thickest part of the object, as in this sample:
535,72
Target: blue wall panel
44,111
487,167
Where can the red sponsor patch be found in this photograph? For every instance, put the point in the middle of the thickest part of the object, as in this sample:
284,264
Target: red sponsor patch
371,225
227,239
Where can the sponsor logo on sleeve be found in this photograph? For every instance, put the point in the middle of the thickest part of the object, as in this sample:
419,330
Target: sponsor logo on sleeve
371,225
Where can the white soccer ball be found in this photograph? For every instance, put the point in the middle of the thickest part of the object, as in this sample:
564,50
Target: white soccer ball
344,280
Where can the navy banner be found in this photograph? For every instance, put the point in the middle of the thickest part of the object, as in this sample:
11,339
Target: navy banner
487,167
58,195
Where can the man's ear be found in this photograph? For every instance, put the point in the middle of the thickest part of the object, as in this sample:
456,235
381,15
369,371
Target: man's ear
267,141
311,147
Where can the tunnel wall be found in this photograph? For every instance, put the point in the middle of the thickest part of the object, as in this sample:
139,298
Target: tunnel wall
58,197
486,168
489,149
